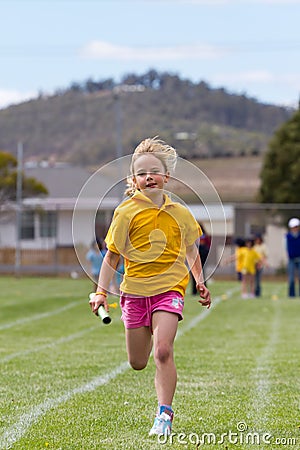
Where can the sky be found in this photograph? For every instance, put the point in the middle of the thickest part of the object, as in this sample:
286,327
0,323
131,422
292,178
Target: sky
244,46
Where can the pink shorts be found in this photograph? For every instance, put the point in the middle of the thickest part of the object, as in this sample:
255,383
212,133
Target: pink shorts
137,311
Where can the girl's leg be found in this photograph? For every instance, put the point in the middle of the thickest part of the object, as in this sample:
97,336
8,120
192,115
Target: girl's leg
139,345
164,326
251,284
244,285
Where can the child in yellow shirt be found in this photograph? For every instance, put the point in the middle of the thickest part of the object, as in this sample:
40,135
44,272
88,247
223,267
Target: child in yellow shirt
237,257
156,237
250,261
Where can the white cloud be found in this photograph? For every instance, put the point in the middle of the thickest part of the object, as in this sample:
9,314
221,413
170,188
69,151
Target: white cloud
13,97
104,50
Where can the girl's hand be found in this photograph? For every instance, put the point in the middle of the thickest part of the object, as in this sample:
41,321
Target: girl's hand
96,301
205,299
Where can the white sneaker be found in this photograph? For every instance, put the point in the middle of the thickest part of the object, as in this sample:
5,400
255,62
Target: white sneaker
162,425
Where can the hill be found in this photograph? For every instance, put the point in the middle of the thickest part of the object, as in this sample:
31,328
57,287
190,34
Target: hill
236,179
82,124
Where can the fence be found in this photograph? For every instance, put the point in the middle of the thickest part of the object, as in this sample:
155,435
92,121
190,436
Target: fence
60,260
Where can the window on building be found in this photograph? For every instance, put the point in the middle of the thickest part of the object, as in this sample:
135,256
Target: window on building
27,225
48,222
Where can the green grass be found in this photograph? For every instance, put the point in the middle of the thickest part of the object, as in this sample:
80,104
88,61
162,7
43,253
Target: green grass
59,388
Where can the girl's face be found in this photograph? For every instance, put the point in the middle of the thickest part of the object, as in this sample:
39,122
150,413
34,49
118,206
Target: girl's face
149,174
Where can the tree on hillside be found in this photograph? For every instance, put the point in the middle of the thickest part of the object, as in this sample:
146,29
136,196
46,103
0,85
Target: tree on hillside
280,175
8,180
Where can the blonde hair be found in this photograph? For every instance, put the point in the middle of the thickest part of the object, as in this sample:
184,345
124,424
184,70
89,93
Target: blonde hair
162,151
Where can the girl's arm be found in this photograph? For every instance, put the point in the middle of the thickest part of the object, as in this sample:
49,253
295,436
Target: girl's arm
194,262
108,268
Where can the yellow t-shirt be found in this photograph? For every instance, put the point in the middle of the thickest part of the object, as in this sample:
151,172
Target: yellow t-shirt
239,258
153,242
250,260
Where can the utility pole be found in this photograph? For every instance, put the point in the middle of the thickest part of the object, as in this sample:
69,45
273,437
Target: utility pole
119,143
19,208
117,93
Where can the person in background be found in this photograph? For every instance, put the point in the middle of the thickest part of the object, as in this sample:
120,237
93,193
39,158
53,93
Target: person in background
237,257
293,251
250,261
261,249
95,256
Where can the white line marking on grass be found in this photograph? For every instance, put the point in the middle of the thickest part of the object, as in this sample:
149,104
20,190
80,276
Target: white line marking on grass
52,344
261,375
39,316
16,431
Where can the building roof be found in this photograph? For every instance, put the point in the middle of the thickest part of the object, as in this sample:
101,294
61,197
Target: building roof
61,182
70,185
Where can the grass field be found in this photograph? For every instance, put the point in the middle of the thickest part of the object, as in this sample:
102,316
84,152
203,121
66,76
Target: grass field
65,383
